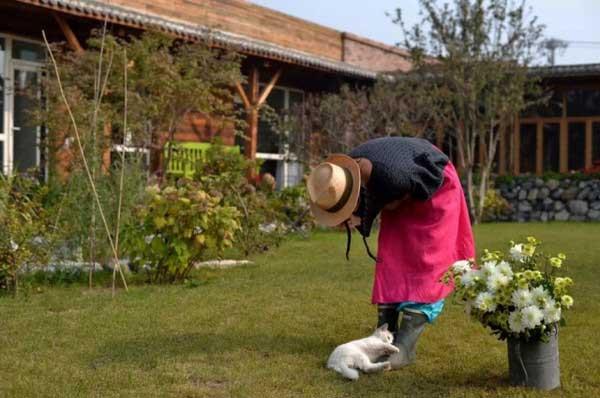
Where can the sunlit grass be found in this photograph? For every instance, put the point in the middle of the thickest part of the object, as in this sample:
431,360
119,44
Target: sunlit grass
266,330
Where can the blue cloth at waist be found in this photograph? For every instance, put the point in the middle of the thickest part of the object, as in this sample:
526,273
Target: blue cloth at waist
430,310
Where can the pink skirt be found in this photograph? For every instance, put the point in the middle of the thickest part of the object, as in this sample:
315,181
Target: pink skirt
419,241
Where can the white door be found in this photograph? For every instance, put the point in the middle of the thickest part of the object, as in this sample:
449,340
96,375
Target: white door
23,136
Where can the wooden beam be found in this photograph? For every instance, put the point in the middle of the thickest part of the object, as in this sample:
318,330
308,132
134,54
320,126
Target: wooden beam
265,93
588,144
69,34
539,148
243,96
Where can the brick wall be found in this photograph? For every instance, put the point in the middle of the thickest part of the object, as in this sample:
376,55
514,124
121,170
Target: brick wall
372,55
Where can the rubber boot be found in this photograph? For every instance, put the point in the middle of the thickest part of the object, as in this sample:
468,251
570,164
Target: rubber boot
412,325
386,313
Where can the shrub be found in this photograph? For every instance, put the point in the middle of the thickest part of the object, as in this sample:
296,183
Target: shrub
494,206
176,227
24,231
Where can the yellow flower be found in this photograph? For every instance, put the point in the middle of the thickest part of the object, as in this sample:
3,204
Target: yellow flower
561,256
556,262
528,250
566,301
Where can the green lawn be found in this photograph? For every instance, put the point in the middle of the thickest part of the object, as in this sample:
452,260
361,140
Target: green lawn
267,330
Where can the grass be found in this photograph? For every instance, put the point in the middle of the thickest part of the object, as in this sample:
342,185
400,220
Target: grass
266,331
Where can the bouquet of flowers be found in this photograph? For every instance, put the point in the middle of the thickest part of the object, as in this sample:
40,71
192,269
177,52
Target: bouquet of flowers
516,294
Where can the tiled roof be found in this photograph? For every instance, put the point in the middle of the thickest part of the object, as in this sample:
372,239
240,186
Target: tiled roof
239,43
567,70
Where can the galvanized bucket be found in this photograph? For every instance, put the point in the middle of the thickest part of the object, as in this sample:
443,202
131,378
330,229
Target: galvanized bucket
534,364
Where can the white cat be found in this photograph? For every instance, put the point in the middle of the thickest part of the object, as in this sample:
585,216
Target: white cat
361,354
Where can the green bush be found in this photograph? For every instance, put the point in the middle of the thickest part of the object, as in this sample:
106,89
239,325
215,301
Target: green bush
494,205
176,227
24,231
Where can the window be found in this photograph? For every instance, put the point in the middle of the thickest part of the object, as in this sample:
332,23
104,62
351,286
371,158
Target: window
596,143
1,89
576,146
527,148
582,102
551,147
27,51
552,108
268,138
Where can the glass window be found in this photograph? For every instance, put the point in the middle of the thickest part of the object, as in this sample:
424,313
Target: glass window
28,51
583,102
552,108
296,98
527,151
576,146
596,143
551,147
268,139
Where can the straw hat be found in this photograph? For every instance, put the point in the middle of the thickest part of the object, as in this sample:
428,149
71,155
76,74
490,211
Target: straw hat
333,188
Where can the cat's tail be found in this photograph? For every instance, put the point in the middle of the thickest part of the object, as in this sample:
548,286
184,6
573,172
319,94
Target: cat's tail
347,372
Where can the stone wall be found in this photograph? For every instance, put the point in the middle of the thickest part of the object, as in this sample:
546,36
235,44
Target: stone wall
535,199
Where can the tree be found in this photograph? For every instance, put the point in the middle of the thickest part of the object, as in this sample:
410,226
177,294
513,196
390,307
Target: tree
472,58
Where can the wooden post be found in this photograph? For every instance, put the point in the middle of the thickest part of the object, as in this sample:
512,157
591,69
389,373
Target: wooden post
502,152
564,139
588,144
564,146
517,146
253,100
69,34
539,148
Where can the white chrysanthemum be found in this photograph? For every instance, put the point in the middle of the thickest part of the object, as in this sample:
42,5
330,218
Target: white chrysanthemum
461,266
516,252
468,278
515,322
540,296
497,281
505,269
489,268
485,302
522,298
532,316
552,312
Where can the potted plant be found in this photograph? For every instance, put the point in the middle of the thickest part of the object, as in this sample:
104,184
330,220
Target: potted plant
521,298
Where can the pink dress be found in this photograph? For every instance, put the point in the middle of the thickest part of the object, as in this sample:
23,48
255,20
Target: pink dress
419,241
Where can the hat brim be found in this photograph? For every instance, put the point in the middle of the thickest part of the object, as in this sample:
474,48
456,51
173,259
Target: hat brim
332,219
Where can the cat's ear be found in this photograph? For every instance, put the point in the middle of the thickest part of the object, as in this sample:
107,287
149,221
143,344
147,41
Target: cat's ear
383,328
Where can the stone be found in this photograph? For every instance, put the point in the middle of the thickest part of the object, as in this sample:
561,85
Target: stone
547,204
577,218
544,216
524,207
578,207
562,216
539,182
557,193
552,184
594,215
594,195
509,194
536,215
527,185
558,206
583,194
569,194
582,184
595,205
566,183
522,194
543,193
533,194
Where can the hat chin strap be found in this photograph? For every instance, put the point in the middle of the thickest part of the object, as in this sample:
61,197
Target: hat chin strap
349,242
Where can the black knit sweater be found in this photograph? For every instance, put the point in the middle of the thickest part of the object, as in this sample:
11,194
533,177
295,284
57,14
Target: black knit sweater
401,165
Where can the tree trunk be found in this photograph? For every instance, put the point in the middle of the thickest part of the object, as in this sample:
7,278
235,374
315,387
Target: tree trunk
470,194
483,185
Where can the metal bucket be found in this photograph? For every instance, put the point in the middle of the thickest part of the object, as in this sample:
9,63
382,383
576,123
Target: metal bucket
534,364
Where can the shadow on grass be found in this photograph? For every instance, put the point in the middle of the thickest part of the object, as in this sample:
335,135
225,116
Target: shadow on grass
150,350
